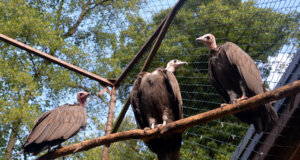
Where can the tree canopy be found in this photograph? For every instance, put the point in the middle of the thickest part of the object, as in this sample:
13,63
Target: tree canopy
102,36
244,23
74,31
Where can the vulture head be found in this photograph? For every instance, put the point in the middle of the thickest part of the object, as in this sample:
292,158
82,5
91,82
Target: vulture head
209,40
81,97
175,64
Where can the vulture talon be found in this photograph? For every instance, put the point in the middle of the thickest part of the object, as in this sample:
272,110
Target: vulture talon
163,129
243,98
146,129
224,104
159,125
240,99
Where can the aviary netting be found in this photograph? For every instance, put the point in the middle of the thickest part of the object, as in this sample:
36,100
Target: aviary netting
267,30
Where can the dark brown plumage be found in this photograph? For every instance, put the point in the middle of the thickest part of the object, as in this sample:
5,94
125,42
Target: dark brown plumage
156,100
235,76
55,126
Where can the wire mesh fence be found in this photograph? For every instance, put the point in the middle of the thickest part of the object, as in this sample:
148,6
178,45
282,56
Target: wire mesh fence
266,30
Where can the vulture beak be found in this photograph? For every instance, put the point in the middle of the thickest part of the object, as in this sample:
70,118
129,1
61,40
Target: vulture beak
180,63
200,39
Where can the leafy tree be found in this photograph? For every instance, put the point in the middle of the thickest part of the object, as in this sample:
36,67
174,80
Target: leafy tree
101,36
74,31
243,23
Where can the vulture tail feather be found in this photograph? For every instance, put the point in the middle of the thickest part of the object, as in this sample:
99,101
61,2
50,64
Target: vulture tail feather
166,148
266,120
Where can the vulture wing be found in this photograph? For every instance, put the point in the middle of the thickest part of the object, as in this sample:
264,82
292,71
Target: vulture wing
216,83
40,118
136,102
60,123
245,65
176,93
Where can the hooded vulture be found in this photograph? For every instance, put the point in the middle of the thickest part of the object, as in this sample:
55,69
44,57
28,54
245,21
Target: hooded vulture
236,77
156,100
55,126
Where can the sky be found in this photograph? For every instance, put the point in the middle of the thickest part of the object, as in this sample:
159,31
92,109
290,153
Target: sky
276,63
283,57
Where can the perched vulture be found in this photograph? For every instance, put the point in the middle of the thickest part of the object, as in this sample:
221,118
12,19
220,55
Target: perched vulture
236,77
55,126
156,100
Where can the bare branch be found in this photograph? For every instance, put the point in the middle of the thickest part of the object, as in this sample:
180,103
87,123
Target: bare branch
98,4
84,11
180,125
59,14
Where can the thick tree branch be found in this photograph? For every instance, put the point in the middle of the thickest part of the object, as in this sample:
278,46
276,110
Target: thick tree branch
73,29
180,125
12,139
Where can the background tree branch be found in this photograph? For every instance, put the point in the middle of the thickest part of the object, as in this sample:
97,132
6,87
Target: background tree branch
59,14
84,11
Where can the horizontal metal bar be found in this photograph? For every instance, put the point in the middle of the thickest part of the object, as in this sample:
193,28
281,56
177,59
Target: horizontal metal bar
53,59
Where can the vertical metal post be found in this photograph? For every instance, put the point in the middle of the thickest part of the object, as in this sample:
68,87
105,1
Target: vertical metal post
110,119
121,115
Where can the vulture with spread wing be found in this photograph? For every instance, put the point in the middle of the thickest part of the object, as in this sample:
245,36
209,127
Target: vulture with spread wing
235,76
156,100
55,126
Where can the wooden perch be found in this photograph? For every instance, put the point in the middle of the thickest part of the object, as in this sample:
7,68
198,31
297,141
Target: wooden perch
180,125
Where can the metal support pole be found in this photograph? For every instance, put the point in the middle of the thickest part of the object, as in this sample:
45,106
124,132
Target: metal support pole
53,59
165,25
162,34
140,53
121,115
110,119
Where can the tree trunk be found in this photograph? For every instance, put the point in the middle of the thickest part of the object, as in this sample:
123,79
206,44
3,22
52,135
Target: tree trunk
12,139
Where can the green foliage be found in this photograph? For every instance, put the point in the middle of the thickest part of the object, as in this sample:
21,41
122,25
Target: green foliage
31,85
102,37
244,23
130,149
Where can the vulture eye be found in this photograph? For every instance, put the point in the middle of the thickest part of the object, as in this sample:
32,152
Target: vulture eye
80,94
175,61
208,37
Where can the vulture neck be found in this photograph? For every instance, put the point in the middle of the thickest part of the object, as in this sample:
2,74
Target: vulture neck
171,69
81,103
213,51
